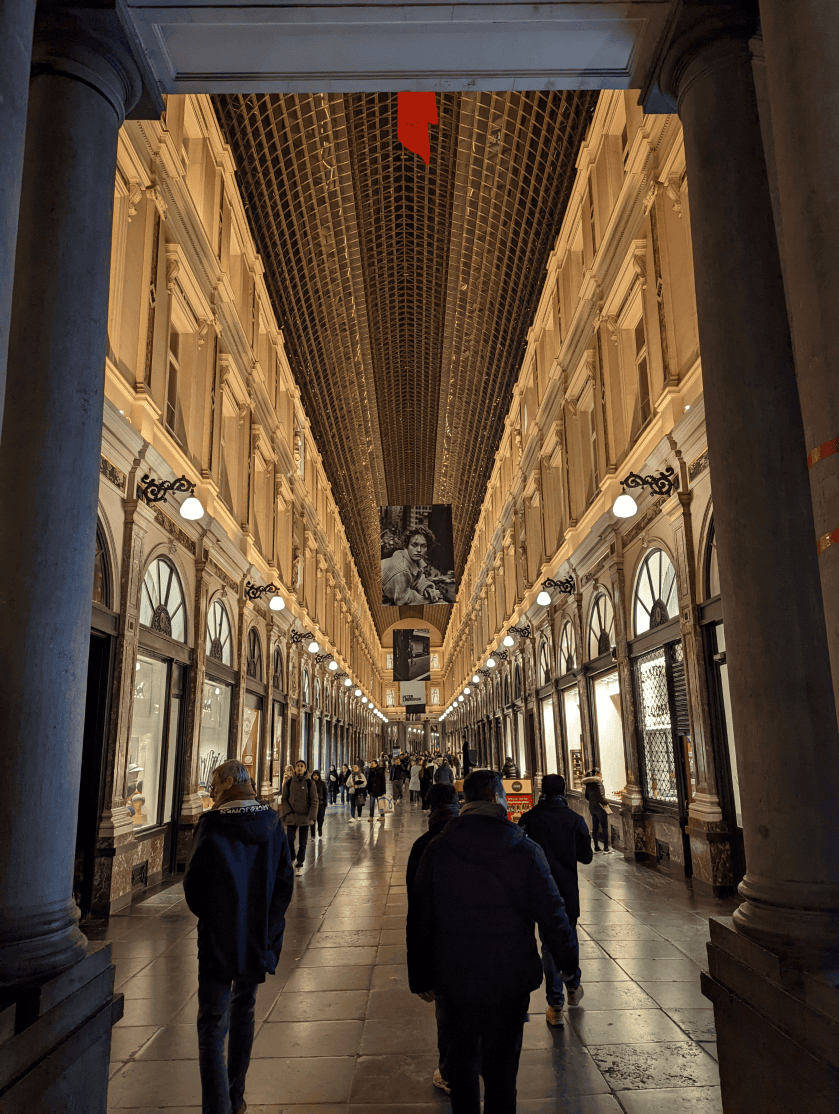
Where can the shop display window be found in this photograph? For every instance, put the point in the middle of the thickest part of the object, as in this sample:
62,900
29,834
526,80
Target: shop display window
656,728
522,752
162,605
251,734
219,641
601,626
253,665
573,737
567,649
277,740
215,734
549,734
607,711
316,762
655,592
145,741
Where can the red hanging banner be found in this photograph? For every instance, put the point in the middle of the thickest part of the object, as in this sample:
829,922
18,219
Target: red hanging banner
416,112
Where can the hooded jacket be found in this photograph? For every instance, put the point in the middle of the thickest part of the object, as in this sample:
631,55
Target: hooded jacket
480,889
299,801
565,839
436,823
376,781
320,789
239,882
595,793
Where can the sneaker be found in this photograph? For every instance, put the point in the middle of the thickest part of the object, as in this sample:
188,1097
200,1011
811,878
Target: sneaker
370,820
574,996
381,819
440,1083
298,870
553,1016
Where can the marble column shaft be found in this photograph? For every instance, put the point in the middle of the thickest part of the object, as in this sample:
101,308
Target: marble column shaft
781,687
82,83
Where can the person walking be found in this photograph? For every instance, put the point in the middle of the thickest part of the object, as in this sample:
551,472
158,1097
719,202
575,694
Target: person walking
342,782
443,774
598,807
480,890
397,778
320,787
299,810
332,785
357,790
414,782
443,808
238,882
564,837
426,781
375,787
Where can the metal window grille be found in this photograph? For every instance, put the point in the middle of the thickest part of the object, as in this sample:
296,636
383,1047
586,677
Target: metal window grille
655,726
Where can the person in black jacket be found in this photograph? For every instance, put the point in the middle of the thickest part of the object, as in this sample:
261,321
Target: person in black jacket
481,888
238,882
397,778
598,807
375,787
320,787
564,837
332,785
299,810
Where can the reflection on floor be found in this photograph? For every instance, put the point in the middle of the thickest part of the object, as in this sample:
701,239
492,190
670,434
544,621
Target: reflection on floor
339,1032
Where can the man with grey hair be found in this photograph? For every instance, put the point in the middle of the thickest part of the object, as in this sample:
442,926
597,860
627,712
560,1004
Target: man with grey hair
238,882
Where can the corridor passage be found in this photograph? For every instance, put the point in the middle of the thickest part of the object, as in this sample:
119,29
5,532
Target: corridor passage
338,1030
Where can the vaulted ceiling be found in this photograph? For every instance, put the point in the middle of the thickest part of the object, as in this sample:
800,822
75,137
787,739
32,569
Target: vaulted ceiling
405,291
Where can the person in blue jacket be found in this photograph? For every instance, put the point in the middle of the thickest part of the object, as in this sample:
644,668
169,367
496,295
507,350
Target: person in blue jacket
480,890
238,882
564,837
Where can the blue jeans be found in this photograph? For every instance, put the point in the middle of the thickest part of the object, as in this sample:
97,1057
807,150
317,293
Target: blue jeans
483,1039
554,983
373,802
223,1006
343,789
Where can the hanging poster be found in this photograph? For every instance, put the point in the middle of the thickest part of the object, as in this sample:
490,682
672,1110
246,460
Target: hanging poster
412,693
417,554
411,658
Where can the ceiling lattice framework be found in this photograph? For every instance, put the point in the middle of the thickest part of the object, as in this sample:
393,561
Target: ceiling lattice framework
405,292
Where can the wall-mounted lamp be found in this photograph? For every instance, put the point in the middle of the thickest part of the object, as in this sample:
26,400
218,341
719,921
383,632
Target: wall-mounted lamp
520,632
333,665
257,591
484,672
300,636
156,491
565,585
490,663
502,654
662,483
347,681
321,658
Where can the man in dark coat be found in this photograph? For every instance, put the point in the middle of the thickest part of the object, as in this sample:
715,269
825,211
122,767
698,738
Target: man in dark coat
481,888
238,882
375,786
563,836
442,800
299,810
598,807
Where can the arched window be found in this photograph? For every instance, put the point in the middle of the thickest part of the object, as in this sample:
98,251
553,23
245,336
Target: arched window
712,569
277,679
219,640
101,570
601,626
305,690
517,682
326,698
317,694
254,662
655,592
506,691
162,606
567,648
544,663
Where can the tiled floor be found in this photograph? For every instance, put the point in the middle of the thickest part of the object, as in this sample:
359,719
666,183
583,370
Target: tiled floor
338,1030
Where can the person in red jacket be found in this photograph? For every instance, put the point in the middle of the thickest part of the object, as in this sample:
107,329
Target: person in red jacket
238,882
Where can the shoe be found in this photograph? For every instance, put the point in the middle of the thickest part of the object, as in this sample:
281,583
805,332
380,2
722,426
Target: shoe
553,1016
574,996
608,850
243,1109
370,820
440,1083
381,819
298,870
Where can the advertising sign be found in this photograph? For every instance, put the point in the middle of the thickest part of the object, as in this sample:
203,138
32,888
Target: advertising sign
519,797
411,659
411,693
417,555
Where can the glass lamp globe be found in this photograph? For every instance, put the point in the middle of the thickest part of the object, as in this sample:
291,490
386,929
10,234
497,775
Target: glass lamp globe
460,699
624,506
277,603
476,680
333,665
508,640
490,663
357,692
466,691
313,647
347,682
544,598
364,700
191,508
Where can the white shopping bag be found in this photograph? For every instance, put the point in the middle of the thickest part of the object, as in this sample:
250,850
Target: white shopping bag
385,805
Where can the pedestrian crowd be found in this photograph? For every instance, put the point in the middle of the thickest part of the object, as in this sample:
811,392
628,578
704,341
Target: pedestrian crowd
479,889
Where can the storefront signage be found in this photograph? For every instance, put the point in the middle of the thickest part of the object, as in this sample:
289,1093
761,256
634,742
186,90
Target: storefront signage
519,793
412,693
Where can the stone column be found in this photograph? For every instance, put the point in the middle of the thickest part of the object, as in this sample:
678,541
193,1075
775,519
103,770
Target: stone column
16,23
82,82
779,670
801,50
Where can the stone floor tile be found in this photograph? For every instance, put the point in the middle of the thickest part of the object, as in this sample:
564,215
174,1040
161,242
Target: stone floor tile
411,1036
348,977
126,1040
392,936
155,1084
339,957
633,931
392,953
351,938
390,922
653,1065
559,1074
711,1048
397,1004
302,1079
153,1011
698,1024
308,1038
176,988
641,949
127,968
682,995
696,1100
334,923
395,1079
172,1042
572,1104
624,1026
660,970
137,949
602,970
391,977
323,1005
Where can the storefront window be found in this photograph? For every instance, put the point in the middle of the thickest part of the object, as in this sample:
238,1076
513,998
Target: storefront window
219,640
549,734
544,664
655,592
567,649
145,744
254,662
316,763
573,736
101,578
607,711
215,733
601,626
277,740
162,607
251,734
656,728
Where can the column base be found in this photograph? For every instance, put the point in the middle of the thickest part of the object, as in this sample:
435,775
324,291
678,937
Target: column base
125,862
710,852
56,1039
777,1028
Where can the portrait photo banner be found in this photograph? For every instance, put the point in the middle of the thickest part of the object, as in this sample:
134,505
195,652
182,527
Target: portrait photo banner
417,554
412,693
411,656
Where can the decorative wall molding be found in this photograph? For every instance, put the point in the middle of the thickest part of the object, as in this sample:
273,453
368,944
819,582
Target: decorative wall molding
112,474
174,530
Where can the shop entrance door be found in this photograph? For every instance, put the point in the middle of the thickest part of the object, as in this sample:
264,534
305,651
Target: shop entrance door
93,751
